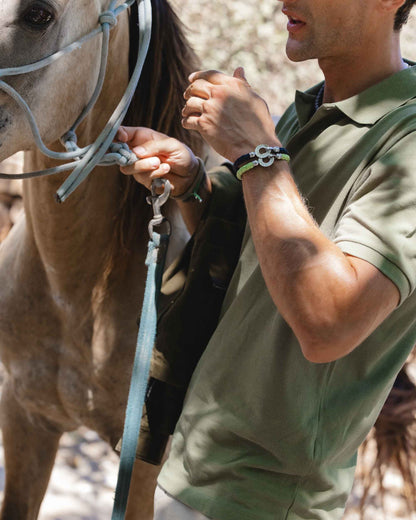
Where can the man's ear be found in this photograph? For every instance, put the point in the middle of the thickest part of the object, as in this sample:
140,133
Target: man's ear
390,5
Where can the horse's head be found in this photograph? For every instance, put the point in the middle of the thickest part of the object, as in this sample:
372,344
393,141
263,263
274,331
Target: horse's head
34,29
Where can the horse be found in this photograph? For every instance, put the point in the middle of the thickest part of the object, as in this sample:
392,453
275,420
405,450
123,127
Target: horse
72,275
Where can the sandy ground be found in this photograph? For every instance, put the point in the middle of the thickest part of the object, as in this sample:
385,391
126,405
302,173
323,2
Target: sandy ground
225,35
85,474
83,480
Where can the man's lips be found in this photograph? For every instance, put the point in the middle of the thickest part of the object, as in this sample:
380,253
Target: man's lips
294,23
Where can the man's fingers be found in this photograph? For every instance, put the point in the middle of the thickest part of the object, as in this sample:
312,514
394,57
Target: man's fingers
200,88
127,134
147,168
212,76
162,147
240,74
122,135
193,106
147,165
191,122
142,166
135,136
146,179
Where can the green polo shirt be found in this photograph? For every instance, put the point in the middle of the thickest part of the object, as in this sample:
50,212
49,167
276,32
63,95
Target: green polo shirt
266,434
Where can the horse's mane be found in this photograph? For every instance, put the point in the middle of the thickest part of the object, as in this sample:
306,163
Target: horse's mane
157,102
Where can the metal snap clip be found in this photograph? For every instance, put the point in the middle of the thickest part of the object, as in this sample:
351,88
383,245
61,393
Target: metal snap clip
157,201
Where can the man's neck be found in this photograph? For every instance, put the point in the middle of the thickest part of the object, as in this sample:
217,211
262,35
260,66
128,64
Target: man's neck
347,78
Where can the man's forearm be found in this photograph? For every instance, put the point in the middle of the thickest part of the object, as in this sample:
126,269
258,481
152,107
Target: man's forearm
317,289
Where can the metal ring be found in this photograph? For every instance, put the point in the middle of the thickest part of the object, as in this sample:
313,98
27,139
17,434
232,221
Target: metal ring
259,153
268,161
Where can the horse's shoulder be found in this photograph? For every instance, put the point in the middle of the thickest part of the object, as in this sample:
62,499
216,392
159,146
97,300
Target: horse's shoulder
24,295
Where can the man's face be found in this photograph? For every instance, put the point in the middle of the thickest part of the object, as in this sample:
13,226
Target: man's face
327,28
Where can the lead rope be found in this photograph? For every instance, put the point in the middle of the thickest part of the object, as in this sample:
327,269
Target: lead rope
155,261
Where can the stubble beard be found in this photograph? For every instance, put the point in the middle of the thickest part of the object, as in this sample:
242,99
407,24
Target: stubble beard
300,51
327,46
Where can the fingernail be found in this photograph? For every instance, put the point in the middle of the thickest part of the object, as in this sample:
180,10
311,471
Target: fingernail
154,162
165,168
139,150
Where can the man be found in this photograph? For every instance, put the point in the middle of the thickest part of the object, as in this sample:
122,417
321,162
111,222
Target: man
320,314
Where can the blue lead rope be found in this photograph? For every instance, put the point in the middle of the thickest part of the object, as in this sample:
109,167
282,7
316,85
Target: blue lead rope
140,374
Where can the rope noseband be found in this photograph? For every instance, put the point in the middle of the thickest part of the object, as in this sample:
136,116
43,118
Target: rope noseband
83,160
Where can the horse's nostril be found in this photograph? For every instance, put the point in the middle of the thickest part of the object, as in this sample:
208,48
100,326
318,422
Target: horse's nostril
4,122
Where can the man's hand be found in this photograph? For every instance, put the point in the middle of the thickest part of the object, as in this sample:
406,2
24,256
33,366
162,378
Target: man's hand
228,114
159,156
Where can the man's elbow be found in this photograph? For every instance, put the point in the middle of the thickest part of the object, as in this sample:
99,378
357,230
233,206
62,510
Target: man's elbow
323,344
318,353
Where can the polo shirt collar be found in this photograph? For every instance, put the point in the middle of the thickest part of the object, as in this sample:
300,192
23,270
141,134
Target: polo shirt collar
369,106
305,103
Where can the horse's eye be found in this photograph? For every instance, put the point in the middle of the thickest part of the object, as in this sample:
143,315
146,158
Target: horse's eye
38,17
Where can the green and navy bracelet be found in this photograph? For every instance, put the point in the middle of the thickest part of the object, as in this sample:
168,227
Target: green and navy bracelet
263,156
193,191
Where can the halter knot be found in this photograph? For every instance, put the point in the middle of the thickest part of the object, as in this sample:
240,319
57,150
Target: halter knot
124,156
69,140
108,17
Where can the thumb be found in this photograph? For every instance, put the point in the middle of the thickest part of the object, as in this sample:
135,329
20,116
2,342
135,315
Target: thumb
135,135
122,135
164,146
240,74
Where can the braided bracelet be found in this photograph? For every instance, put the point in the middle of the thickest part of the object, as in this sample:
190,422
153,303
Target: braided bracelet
192,191
263,156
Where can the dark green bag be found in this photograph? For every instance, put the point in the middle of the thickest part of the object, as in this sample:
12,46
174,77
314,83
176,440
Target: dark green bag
192,293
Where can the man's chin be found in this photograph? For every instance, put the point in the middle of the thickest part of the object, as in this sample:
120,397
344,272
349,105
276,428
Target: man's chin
297,53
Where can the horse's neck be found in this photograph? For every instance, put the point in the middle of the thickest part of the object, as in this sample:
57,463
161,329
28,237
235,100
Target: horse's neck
73,238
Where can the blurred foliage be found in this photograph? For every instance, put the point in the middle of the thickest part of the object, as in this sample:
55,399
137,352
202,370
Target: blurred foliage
253,34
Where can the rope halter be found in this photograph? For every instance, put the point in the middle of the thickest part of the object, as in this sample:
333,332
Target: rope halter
83,160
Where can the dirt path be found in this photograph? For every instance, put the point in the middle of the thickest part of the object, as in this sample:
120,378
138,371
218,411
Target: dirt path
83,480
85,474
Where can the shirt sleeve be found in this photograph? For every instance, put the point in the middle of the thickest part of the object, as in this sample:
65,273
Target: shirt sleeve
378,223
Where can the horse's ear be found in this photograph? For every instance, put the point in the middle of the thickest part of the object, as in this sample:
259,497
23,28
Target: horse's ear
158,100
